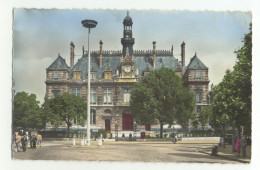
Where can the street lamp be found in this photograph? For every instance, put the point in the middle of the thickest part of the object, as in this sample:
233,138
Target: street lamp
88,24
134,131
116,131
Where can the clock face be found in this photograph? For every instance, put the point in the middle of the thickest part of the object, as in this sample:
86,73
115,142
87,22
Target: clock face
127,69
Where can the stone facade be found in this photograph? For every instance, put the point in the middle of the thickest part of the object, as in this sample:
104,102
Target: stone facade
114,73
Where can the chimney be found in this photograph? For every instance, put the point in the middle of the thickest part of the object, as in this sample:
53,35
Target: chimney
154,53
72,47
100,53
183,54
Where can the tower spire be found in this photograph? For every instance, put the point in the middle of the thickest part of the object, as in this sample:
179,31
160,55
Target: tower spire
127,41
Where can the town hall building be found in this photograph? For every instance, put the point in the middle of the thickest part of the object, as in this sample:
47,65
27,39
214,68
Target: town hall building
114,73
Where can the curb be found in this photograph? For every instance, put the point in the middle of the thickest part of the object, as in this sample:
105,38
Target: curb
226,157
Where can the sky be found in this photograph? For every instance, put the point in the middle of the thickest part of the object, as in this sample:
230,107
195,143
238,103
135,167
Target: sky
39,35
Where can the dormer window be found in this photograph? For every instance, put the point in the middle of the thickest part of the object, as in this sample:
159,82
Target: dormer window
76,75
108,73
55,75
93,75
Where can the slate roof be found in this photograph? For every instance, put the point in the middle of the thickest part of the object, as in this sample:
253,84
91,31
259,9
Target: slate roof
141,62
195,63
114,63
58,64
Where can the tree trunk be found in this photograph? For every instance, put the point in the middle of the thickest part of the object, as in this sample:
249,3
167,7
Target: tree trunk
224,135
233,139
161,130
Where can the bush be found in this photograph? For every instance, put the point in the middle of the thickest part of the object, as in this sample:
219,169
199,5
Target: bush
172,135
147,136
165,135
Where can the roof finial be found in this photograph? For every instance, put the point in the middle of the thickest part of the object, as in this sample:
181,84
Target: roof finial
58,54
127,13
195,53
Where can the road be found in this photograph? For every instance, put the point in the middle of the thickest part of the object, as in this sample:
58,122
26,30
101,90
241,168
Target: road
122,151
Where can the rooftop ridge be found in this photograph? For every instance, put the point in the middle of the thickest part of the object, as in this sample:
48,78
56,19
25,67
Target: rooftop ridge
135,53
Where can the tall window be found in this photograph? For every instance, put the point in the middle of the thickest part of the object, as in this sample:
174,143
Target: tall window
198,97
76,92
198,109
126,94
55,75
93,96
107,96
197,74
55,93
92,116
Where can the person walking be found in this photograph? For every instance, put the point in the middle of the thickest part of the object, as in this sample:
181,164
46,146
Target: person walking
130,137
123,136
243,145
238,146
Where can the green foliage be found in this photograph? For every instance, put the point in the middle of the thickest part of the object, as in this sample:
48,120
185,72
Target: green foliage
98,134
27,113
232,97
65,108
172,135
195,123
164,135
204,116
161,96
147,136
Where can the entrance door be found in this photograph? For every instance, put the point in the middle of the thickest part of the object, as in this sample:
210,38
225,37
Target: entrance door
107,124
127,122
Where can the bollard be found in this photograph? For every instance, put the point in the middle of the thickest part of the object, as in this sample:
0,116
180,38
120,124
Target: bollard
82,141
74,141
99,142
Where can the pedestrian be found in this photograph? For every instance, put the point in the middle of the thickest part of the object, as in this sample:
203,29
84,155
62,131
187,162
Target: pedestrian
238,146
130,137
34,140
123,136
24,141
243,145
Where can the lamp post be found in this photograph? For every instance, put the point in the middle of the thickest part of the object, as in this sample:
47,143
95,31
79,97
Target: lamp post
88,24
134,131
116,131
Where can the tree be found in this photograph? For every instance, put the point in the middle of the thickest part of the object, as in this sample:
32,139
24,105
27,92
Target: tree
204,116
49,115
231,104
161,97
26,113
65,108
243,82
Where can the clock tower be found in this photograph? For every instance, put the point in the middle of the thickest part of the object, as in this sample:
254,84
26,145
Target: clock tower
127,41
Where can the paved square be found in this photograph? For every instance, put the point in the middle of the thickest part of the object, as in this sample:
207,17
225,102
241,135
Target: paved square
123,152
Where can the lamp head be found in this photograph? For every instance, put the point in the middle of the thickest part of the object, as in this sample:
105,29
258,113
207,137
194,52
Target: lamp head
89,23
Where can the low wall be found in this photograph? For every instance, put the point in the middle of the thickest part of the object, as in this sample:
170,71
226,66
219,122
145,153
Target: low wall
201,139
154,139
